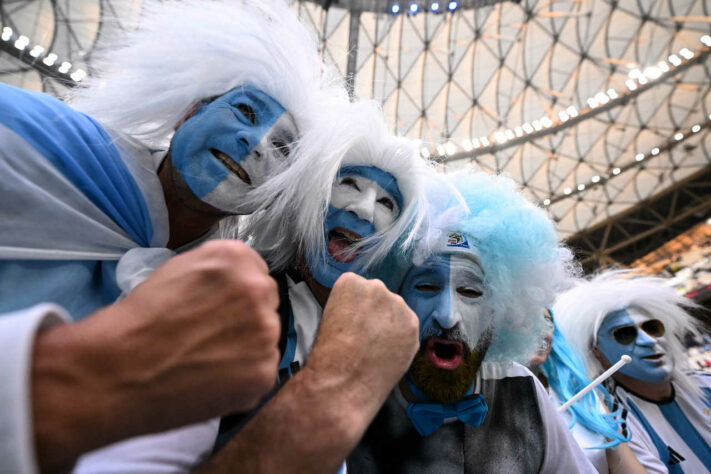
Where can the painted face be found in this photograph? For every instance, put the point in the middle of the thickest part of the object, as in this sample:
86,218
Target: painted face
445,293
455,327
628,332
231,145
544,349
364,200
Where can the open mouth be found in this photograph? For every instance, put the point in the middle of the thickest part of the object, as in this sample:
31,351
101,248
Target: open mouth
231,165
443,353
654,357
340,241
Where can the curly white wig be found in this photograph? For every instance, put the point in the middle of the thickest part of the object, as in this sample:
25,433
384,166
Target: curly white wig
184,52
580,311
524,263
349,134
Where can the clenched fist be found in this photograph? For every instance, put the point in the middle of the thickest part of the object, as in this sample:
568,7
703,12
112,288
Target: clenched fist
368,338
196,340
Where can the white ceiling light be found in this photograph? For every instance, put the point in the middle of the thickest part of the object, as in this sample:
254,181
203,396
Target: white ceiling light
567,191
581,187
595,179
639,157
602,98
655,151
500,137
678,136
22,42
674,59
6,33
631,85
652,72
686,53
50,59
572,111
616,171
36,51
696,128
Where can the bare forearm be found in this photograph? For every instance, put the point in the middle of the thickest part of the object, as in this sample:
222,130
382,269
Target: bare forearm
622,460
311,425
70,398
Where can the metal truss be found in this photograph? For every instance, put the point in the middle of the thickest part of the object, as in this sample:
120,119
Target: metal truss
631,234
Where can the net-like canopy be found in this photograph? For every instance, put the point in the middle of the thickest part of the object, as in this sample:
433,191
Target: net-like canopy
593,106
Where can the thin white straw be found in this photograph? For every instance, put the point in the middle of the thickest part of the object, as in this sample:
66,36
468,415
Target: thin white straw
625,359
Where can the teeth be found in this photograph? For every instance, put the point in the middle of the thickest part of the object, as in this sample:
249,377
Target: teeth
231,165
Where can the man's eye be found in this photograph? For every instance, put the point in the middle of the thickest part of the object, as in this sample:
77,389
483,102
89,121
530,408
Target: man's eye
427,288
248,112
281,146
387,203
469,292
350,182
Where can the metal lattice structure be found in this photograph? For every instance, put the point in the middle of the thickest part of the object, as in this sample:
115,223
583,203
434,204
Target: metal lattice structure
67,29
596,107
454,80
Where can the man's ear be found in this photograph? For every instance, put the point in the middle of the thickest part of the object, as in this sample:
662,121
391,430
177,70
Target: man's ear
601,357
190,113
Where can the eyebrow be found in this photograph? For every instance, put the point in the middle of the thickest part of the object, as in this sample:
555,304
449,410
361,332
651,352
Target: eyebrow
384,179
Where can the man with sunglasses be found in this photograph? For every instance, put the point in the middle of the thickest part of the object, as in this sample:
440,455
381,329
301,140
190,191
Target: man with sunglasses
669,407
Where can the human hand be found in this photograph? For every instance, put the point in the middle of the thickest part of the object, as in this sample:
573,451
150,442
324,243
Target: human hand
197,339
368,336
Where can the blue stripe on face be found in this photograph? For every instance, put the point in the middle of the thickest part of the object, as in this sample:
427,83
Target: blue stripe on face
234,124
644,345
384,179
327,272
427,291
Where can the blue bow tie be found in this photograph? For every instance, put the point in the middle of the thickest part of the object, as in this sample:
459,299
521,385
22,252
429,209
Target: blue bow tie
428,417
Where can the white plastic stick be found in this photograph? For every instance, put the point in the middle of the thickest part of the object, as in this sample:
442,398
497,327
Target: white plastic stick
625,359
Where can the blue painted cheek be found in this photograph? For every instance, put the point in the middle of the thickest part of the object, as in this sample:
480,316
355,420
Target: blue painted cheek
215,125
327,272
639,368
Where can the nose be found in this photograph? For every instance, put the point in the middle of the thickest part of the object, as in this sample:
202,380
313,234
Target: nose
443,313
364,205
248,138
644,339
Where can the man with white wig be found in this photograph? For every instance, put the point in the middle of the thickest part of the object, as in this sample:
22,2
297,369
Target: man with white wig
341,219
196,109
617,313
474,278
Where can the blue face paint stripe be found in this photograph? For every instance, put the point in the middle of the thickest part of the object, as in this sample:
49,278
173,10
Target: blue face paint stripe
686,431
206,128
384,179
83,152
291,337
662,447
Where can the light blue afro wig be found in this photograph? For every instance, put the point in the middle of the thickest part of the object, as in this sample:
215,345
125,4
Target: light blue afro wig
524,263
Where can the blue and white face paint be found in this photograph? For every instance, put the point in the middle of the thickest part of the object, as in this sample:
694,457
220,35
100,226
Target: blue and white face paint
651,361
364,200
231,145
446,294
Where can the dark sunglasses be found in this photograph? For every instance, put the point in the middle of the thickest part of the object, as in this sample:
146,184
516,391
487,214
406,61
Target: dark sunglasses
626,335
